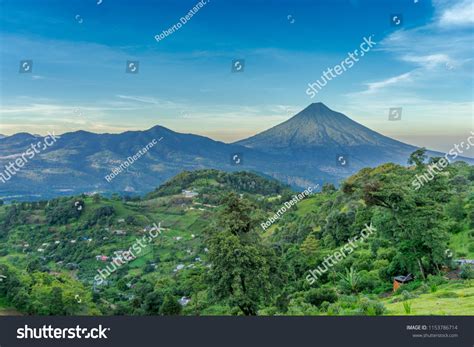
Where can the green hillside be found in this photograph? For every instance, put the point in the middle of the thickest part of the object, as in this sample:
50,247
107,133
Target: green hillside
196,246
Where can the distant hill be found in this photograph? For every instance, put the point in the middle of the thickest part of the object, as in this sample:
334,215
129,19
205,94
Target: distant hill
315,146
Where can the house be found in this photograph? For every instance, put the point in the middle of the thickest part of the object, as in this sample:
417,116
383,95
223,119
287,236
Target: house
40,249
197,259
177,238
189,193
184,301
464,261
119,232
57,242
121,220
398,281
179,267
101,257
72,266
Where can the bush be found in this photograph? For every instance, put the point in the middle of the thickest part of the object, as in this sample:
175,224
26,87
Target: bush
407,295
369,280
436,280
371,307
467,272
333,309
170,306
316,296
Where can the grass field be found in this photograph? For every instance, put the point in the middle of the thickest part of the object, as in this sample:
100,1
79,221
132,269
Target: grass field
456,299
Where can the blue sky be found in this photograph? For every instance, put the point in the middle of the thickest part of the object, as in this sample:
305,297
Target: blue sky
79,51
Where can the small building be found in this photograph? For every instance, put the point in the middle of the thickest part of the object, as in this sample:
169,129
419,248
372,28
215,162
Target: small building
120,232
464,261
184,301
178,267
101,257
189,193
398,281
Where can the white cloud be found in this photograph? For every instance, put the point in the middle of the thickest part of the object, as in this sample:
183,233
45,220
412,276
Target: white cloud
376,86
460,14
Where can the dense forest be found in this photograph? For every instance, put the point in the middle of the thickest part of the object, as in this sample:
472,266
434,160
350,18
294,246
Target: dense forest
212,256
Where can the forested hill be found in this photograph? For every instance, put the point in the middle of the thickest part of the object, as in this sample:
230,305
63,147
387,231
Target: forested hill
212,256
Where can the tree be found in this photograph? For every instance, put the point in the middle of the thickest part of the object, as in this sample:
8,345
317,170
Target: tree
55,301
309,246
414,222
328,188
170,306
418,158
240,272
350,280
455,209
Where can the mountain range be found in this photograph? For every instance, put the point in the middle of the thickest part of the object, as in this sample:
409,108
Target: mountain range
316,145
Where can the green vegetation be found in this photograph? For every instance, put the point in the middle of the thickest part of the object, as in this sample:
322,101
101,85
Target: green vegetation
213,258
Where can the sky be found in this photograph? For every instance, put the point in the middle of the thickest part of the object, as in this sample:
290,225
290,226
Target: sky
79,50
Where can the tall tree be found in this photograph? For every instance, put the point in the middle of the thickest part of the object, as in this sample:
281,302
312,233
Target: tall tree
240,271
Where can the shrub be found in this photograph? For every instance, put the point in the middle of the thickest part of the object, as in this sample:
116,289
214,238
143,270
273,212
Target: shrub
436,280
407,307
407,295
466,272
333,310
371,307
369,280
316,296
